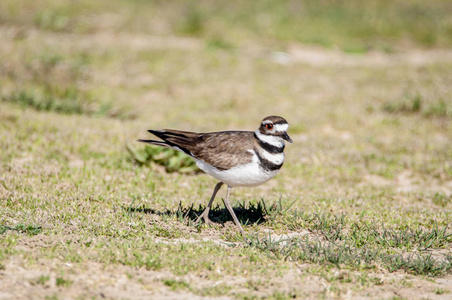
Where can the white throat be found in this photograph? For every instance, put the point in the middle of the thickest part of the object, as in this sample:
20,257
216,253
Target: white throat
270,139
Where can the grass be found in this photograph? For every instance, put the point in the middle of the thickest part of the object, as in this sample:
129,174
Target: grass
361,207
175,285
171,159
61,282
348,251
43,279
28,229
52,82
441,199
415,104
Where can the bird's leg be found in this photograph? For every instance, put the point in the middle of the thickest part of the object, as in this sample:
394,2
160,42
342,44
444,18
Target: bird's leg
231,211
205,213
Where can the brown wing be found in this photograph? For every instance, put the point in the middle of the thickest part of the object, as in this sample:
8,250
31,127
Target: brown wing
224,150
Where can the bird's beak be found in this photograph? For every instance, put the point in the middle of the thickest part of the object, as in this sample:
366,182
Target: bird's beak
287,138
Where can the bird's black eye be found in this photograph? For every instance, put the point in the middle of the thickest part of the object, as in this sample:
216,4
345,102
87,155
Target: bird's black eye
269,126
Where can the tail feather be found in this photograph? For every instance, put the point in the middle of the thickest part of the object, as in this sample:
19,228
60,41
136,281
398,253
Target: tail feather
175,136
172,132
156,143
178,140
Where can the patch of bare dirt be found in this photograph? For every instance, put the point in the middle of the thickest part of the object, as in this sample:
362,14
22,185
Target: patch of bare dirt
320,56
91,280
19,281
53,277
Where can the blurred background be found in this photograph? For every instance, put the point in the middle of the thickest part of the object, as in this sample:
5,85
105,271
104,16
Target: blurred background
127,59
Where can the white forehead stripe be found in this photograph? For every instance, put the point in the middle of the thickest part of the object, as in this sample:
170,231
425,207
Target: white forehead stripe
281,127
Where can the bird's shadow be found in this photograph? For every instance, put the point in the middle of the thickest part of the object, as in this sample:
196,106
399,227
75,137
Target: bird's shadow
247,214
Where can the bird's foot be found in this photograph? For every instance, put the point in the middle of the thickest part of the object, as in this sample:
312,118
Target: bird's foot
205,217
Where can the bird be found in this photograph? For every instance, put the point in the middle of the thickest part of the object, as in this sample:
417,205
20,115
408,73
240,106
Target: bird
234,158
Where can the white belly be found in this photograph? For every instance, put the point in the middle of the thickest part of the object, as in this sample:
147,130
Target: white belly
250,174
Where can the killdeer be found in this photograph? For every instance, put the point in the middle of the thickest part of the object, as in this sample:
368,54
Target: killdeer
235,158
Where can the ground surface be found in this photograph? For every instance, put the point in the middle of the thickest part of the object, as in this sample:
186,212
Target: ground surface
361,209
